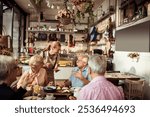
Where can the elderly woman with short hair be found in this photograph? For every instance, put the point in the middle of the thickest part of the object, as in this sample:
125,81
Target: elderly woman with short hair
36,73
7,76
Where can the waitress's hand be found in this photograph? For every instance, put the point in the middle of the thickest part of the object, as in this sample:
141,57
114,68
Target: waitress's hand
56,70
46,65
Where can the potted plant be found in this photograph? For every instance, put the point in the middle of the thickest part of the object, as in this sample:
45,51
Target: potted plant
64,16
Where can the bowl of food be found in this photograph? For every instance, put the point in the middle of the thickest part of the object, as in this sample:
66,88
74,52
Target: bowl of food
49,89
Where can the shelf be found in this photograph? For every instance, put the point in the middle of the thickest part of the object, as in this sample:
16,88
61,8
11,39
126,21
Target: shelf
46,31
103,18
133,23
129,2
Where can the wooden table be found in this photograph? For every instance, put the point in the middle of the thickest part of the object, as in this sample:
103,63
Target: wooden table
115,77
58,96
121,76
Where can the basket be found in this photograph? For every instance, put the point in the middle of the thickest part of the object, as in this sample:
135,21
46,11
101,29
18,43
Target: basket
65,21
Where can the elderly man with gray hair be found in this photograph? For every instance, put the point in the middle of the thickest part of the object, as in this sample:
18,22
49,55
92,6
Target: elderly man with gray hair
7,76
79,76
99,88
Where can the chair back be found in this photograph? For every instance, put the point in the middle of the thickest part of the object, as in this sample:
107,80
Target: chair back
134,89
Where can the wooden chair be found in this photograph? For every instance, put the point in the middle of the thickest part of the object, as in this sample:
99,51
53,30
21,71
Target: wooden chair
134,89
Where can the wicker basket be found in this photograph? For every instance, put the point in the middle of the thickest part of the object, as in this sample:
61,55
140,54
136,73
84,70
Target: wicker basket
65,21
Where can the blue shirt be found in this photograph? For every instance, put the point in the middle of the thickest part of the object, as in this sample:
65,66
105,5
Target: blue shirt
76,82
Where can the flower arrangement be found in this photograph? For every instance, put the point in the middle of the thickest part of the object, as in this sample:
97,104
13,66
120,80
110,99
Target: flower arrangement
133,55
83,6
64,16
63,13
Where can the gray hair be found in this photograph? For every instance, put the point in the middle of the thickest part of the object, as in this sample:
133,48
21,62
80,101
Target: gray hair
7,63
97,63
85,58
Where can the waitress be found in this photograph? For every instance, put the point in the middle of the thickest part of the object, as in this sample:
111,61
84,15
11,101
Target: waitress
51,60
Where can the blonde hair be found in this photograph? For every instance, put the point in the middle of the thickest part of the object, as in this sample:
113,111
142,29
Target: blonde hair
36,58
49,45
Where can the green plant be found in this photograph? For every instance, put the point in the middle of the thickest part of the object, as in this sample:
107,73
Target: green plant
83,6
133,55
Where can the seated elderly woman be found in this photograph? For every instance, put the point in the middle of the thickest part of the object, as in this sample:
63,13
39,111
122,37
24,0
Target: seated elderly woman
7,76
36,73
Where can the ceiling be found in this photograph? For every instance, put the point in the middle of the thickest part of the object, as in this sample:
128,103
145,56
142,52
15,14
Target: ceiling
49,8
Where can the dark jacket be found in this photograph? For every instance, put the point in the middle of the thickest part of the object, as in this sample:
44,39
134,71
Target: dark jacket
6,93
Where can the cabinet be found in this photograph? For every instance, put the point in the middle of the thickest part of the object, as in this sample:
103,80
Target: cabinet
132,34
132,10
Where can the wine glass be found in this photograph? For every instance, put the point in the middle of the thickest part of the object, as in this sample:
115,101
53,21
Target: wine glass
36,90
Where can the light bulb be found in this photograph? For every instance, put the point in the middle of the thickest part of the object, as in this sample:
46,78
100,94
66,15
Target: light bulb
58,7
52,6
